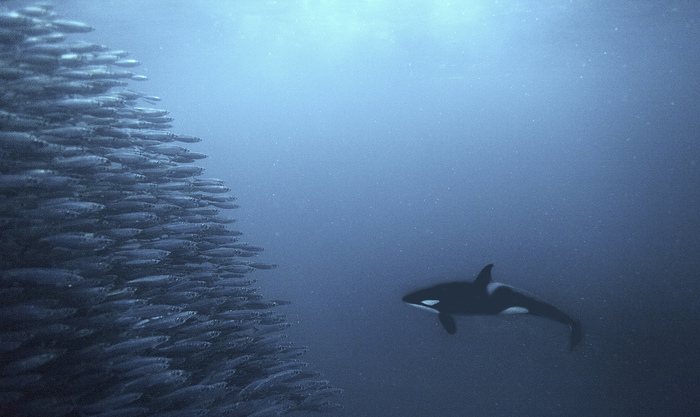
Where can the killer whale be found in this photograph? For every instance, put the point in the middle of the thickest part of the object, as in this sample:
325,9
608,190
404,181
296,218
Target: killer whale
485,297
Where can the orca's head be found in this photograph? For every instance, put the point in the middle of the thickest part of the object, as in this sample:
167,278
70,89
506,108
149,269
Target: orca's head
423,299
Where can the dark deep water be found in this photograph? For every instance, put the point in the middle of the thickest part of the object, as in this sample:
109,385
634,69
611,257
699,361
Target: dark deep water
377,147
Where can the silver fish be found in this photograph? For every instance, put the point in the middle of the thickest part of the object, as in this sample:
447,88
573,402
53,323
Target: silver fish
117,272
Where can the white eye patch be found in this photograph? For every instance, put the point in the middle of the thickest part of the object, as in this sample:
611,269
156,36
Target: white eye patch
429,302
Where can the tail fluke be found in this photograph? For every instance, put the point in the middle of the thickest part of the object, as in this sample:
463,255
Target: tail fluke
575,334
510,297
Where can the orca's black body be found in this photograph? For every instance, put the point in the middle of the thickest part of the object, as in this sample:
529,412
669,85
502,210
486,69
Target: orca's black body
484,297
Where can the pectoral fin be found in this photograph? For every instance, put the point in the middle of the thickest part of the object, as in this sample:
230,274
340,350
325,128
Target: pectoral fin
448,323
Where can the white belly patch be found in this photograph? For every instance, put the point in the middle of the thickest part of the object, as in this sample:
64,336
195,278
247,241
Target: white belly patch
515,310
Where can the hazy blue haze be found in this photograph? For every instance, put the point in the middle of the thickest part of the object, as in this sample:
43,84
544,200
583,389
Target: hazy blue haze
381,146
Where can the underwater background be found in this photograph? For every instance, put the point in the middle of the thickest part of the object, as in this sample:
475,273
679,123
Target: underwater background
377,147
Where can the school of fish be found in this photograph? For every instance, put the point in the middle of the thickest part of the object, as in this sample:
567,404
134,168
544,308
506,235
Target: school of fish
123,291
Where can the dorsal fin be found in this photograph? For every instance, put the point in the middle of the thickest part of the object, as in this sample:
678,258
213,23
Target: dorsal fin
484,277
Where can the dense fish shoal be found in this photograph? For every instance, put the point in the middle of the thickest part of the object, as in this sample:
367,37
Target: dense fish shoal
123,291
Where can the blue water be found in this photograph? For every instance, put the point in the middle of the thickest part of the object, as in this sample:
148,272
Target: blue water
377,147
